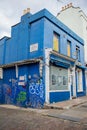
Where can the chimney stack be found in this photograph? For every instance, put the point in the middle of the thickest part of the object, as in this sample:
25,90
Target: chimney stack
26,11
66,6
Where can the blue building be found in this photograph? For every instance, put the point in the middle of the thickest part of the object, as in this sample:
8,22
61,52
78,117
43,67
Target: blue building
42,62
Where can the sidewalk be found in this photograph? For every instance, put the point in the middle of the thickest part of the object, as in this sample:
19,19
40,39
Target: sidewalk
64,105
67,104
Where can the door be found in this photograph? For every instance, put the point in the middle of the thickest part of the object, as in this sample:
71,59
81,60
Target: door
71,76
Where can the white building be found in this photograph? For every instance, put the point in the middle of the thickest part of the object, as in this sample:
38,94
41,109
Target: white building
76,20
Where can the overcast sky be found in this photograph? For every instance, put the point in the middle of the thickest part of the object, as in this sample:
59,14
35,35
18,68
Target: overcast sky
12,10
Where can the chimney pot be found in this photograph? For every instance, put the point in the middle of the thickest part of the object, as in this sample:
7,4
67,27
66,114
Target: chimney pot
63,8
70,5
24,12
28,10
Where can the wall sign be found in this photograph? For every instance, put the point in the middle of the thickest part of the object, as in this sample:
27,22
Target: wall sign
21,83
34,47
21,78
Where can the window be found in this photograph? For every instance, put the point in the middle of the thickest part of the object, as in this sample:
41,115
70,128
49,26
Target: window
56,39
78,53
58,78
68,48
80,84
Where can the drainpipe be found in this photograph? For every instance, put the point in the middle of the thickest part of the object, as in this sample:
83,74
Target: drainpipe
16,67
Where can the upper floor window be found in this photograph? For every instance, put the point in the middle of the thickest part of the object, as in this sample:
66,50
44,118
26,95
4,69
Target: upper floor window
68,48
56,42
78,53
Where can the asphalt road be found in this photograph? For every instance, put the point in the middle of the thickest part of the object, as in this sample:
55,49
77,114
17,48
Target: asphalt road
36,119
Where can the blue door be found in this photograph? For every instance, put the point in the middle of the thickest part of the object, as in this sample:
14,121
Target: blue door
9,85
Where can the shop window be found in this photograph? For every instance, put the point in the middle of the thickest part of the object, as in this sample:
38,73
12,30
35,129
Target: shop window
56,42
78,53
68,48
58,78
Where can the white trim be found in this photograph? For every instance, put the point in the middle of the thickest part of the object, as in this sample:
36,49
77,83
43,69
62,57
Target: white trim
69,82
1,73
47,52
86,80
74,82
79,81
16,71
59,91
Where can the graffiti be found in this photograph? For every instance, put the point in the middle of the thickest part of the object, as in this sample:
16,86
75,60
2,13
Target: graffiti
35,102
14,82
8,91
34,88
37,88
29,95
36,92
21,96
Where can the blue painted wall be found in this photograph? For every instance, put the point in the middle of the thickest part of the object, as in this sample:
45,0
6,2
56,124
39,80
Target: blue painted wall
1,93
59,96
49,28
36,36
37,28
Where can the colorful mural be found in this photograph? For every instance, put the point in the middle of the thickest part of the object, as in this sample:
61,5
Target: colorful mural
27,94
21,97
14,94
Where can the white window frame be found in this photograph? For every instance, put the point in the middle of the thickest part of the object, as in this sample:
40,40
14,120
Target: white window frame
79,80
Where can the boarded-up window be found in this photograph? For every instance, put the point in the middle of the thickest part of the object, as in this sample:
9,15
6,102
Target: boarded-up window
68,48
56,38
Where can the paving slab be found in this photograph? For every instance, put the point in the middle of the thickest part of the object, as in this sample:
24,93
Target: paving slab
70,118
71,115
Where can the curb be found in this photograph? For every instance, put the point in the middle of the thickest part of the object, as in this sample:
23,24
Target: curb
46,106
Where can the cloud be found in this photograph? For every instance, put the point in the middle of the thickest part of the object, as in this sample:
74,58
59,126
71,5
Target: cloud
12,10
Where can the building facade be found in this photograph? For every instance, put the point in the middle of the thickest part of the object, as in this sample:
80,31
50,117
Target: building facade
42,62
76,20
